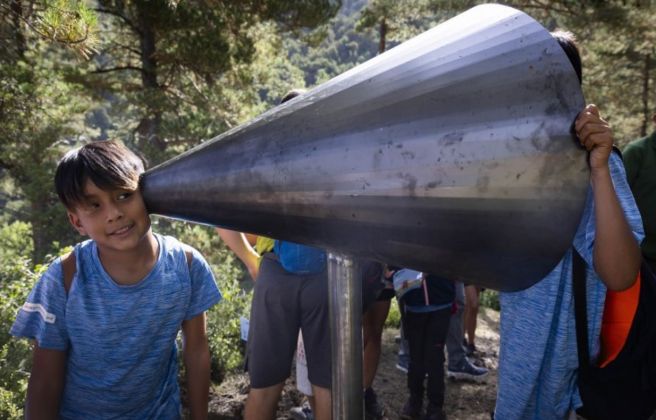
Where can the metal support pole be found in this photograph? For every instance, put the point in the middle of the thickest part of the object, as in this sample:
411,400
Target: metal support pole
345,300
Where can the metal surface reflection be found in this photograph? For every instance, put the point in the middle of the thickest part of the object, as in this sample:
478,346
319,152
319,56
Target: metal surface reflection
449,154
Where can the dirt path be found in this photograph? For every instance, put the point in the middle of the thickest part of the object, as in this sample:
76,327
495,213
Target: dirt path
464,400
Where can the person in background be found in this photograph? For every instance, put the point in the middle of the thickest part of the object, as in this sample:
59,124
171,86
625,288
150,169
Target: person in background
427,304
373,322
459,367
470,317
640,163
371,275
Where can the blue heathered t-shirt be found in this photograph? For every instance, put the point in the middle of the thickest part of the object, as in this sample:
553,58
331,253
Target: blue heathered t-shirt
120,340
538,358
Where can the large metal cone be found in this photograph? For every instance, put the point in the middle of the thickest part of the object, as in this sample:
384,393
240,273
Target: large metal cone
450,154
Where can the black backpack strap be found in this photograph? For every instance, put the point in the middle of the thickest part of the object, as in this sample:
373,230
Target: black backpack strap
580,308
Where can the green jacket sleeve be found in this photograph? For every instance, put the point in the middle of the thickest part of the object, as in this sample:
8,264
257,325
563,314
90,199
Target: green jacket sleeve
632,156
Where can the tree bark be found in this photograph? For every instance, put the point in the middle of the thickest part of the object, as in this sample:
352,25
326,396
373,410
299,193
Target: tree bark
382,33
17,14
149,125
645,96
39,237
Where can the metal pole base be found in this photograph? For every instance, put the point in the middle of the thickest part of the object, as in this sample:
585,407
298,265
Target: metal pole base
345,302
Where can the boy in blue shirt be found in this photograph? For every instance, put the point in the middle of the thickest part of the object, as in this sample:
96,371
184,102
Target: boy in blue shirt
105,317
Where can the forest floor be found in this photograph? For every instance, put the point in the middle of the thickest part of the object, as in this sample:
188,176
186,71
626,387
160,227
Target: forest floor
464,400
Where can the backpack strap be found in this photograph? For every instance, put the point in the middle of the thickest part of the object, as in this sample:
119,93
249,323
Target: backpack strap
69,268
580,309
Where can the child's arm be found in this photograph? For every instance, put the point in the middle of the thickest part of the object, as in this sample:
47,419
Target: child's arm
616,252
46,383
237,242
196,355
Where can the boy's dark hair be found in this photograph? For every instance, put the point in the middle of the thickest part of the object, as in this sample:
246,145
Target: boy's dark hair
108,164
567,42
292,94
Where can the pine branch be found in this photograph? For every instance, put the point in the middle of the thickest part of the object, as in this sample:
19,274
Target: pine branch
119,68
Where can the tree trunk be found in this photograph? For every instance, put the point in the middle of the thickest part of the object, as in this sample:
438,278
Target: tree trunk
17,14
39,235
149,125
382,33
645,96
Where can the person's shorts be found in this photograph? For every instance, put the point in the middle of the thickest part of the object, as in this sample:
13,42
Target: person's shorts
371,274
282,304
472,284
386,294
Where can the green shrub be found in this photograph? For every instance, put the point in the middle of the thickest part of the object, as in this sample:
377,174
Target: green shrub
394,317
490,299
15,354
15,241
223,328
9,409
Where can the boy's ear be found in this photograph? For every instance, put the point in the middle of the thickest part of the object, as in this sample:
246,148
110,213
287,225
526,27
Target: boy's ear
75,221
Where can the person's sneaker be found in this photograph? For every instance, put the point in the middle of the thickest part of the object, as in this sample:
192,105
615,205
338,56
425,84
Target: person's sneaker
372,409
412,408
434,412
467,371
303,412
403,362
470,349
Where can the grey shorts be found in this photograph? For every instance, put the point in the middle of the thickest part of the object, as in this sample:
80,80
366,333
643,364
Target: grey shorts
282,304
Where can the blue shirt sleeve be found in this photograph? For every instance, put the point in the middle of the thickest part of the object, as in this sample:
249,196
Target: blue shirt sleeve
204,291
584,239
43,316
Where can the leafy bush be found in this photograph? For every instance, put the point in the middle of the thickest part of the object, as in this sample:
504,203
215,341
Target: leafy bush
15,241
490,299
394,317
223,328
15,355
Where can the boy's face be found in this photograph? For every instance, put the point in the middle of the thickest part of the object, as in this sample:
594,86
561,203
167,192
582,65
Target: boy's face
116,220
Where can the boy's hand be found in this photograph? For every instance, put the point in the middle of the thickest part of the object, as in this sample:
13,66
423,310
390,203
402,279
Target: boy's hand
595,135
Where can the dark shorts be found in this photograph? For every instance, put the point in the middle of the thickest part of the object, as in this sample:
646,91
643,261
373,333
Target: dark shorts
371,274
282,304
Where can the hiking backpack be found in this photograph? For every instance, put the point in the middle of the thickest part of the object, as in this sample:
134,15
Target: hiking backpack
300,259
626,387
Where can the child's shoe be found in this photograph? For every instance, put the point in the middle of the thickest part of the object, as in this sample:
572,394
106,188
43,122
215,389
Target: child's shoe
467,371
372,409
434,412
412,408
